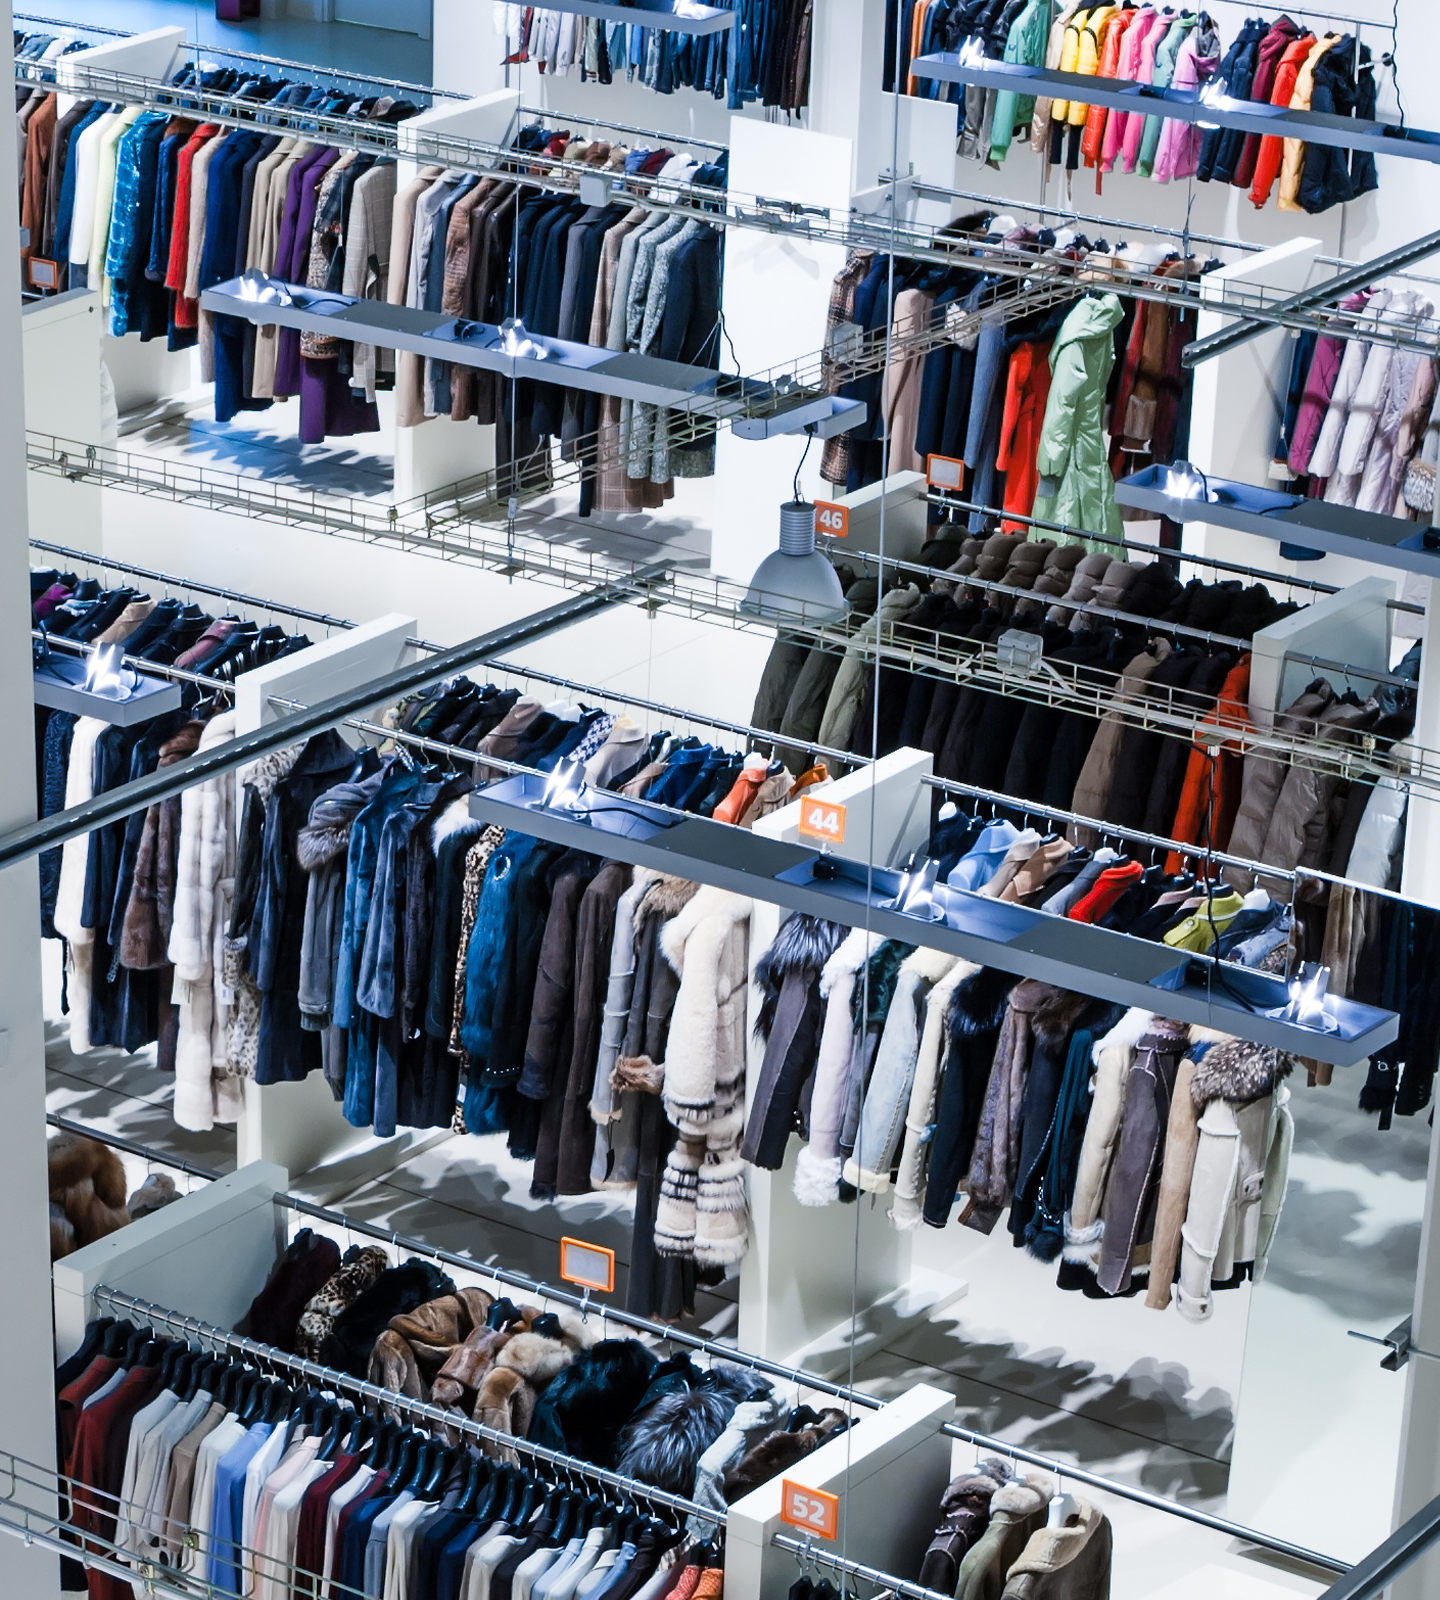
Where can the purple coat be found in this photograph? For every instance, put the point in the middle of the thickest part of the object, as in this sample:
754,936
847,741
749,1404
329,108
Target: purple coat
292,260
1179,152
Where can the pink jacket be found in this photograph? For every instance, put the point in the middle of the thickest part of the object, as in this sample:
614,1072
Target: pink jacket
1179,152
1145,72
1129,69
1319,386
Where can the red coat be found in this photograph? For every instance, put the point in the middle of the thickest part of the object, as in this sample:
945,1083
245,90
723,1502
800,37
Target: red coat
1206,814
1027,388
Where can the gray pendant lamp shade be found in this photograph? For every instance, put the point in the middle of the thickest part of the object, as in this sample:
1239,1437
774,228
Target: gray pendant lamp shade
796,583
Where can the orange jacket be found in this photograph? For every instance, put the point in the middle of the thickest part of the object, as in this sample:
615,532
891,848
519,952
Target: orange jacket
1211,795
1027,389
1111,38
1272,146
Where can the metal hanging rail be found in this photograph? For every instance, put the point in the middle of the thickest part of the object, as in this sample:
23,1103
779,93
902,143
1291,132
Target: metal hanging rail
722,1352
551,114
807,1552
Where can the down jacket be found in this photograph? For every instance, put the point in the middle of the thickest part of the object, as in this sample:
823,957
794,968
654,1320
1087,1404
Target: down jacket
205,1092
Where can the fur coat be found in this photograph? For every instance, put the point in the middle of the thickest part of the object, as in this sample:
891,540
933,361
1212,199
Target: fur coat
704,1095
583,1410
416,1344
360,1268
1035,1009
779,1451
511,1390
354,1331
70,896
818,1164
459,1378
664,1445
206,1092
87,1193
145,932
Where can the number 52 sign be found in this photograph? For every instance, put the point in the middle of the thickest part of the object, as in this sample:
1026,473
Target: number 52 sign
811,1509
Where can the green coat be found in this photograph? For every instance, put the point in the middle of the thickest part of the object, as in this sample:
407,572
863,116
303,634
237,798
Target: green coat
1024,46
1072,442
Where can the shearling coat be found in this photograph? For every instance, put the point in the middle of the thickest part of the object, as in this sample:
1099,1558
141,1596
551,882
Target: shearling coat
924,1093
706,945
1181,1138
964,1514
1114,1057
887,1099
1241,1163
1067,1563
1017,1510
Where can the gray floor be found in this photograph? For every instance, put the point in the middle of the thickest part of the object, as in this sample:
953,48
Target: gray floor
342,47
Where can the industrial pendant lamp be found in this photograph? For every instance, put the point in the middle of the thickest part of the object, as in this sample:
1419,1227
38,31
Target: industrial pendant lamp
796,583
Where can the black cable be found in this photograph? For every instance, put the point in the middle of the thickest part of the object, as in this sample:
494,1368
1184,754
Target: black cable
809,440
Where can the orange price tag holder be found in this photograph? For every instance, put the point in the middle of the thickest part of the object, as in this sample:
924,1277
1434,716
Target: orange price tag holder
832,519
822,820
945,472
592,1266
817,1512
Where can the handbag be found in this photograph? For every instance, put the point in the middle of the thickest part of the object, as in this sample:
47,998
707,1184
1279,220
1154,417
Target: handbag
1419,488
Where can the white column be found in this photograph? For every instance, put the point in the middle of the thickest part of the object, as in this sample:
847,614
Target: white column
28,1426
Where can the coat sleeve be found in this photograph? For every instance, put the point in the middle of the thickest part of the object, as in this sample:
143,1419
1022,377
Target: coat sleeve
1277,1173
1182,1135
1212,1186
1057,438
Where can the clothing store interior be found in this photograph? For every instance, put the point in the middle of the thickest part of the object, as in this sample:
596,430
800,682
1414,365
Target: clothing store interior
730,887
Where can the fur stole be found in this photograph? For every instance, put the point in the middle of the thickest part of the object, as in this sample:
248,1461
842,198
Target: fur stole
663,1445
1238,1071
636,1073
802,947
87,1192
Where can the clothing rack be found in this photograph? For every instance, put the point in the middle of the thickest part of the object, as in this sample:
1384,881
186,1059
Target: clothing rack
794,1375
807,1553
418,1411
550,114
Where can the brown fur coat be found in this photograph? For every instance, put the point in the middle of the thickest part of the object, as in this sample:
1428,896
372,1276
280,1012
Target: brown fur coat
416,1345
87,1193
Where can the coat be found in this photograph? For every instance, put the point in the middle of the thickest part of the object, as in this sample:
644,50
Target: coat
1114,1056
1242,1158
1178,152
1076,487
1282,89
1210,792
606,1108
1092,790
964,1514
887,1098
705,946
1297,151
70,894
1128,1214
1067,1563
1017,1510
818,1164
849,681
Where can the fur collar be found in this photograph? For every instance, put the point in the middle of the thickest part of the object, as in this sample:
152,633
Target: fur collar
666,896
717,907
637,1073
1023,1497
455,818
1238,1071
1052,1549
1059,1013
929,965
800,949
263,775
327,833
1126,1033
854,950
980,1001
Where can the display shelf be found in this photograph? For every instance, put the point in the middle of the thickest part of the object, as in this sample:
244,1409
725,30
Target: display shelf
1290,518
1206,107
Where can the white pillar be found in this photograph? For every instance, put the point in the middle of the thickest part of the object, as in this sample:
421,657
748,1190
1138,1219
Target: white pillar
28,1428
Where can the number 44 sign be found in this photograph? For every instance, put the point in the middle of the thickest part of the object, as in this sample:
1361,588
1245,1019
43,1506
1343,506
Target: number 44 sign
811,1509
822,820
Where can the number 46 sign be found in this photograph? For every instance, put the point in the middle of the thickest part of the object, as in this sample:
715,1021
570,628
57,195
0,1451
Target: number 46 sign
811,1509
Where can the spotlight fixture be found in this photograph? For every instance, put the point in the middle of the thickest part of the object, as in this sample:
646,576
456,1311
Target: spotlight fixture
796,583
565,787
917,881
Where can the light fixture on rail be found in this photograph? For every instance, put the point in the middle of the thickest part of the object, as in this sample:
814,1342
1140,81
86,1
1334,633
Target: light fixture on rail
99,684
796,583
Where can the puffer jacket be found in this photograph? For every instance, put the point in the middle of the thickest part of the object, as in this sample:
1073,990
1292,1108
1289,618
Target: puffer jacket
1324,457
1076,487
1296,153
1128,68
1282,90
849,684
1265,777
1111,42
1241,1162
887,1099
1374,410
1339,88
1114,1056
1178,152
1143,135
1055,51
1024,46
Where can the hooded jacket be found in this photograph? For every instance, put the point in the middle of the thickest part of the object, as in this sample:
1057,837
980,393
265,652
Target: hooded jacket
1282,89
1242,1157
1076,487
1297,151
887,1098
1178,152
818,1163
787,978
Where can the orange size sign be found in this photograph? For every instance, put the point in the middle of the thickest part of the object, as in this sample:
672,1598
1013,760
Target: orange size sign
945,472
832,519
820,819
811,1509
591,1265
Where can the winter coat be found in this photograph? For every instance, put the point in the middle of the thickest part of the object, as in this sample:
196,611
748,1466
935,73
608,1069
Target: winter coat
1178,1166
818,1164
1177,154
749,1422
787,978
1282,90
978,1010
1324,458
510,1391
964,1513
145,937
1024,46
1017,1510
704,1090
302,1272
1127,68
924,1093
1072,440
1067,1563
1128,1215
1027,393
1114,1056
1142,148
605,1109
1297,151
1210,793
805,709
1220,147
359,1268
849,683
1092,791
1331,176
416,1344
398,1290
777,1452
70,895
586,1405
1110,44
1242,1158
87,1192
1265,777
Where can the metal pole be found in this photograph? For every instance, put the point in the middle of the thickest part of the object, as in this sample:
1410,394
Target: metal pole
131,797
1332,289
1387,1561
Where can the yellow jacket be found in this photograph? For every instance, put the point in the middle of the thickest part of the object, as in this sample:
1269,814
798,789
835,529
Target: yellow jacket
1088,60
1054,57
1292,166
1069,57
